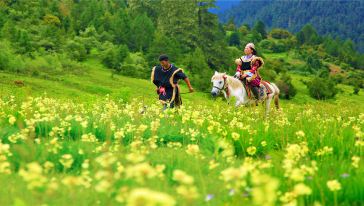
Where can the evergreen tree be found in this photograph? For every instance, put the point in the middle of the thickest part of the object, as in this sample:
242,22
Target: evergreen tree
308,35
163,45
259,27
230,25
234,39
142,30
197,65
149,7
211,37
178,19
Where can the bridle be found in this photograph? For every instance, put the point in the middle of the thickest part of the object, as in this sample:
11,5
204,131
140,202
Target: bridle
224,86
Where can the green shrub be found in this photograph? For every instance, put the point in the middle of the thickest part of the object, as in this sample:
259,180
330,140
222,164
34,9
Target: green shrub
44,64
133,70
200,73
266,44
322,88
70,66
287,90
135,66
356,90
53,64
76,50
234,39
337,78
112,56
278,66
280,33
268,74
279,47
4,59
10,61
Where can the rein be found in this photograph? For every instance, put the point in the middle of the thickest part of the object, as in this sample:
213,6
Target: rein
194,92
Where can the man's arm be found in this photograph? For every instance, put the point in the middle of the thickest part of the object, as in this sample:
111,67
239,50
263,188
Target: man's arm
188,84
181,75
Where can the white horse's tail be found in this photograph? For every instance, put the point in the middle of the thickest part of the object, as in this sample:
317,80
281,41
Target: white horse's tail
276,95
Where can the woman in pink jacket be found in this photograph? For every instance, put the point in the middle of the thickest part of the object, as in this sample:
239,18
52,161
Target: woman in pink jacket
248,69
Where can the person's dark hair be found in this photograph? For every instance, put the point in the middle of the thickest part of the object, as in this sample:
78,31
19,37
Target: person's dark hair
254,51
163,57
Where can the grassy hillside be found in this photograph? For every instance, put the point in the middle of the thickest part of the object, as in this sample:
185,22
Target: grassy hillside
95,80
77,129
85,141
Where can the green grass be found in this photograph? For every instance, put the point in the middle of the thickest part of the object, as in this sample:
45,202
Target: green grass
108,105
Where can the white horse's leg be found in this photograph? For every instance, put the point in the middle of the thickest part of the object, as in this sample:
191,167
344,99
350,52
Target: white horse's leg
267,104
276,94
226,97
239,95
239,102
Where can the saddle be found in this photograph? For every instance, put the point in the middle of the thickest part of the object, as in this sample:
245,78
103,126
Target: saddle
264,90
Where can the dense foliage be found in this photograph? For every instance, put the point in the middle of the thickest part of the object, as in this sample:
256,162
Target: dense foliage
56,37
322,88
336,18
287,90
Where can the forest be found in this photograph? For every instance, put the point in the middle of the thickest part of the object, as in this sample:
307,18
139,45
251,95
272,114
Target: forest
46,37
329,17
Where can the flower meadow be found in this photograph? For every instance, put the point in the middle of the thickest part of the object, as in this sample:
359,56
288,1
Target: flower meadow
109,152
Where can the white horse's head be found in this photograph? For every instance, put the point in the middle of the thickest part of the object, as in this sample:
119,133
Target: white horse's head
218,83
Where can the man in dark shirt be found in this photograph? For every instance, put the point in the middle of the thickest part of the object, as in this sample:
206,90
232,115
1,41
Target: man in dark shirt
166,76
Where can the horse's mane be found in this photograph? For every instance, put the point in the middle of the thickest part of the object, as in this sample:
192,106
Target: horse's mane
231,81
234,82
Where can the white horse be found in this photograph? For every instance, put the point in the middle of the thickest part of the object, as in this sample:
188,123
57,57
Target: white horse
231,86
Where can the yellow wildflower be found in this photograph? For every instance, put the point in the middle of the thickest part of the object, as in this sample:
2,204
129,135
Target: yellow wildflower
333,185
235,136
12,120
33,175
147,197
66,160
193,149
251,150
355,161
182,177
302,189
300,134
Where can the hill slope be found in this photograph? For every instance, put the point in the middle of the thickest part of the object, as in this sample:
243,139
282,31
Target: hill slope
98,81
81,148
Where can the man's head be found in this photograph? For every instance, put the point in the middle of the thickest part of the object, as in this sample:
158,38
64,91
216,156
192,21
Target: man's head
164,61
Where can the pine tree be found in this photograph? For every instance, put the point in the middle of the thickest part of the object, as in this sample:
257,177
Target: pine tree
178,19
308,35
149,7
260,28
142,30
211,37
162,44
197,65
230,25
234,39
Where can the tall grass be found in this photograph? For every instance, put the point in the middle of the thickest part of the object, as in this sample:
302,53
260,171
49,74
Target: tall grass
117,147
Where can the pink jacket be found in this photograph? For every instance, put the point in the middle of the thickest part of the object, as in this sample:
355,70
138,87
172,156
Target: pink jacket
255,79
